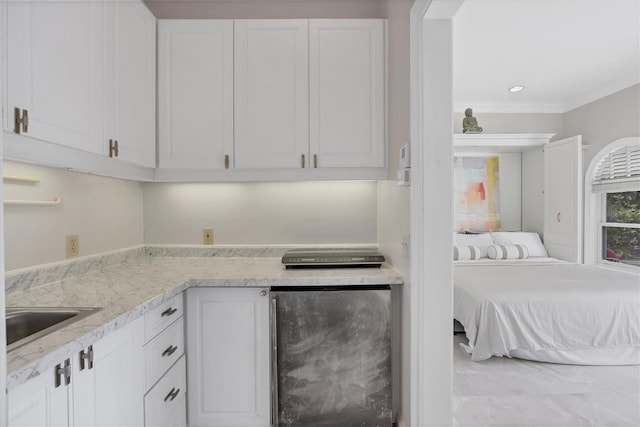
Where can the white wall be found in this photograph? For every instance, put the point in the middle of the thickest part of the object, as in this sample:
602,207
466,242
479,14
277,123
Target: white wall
106,213
393,233
398,79
605,120
261,213
394,201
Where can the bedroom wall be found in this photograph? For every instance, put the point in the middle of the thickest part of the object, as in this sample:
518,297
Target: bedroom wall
605,120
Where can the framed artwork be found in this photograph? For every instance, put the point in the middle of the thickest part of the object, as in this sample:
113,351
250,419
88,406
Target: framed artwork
476,184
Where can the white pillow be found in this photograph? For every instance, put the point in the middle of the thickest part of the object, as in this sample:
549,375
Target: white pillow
466,253
530,240
481,240
508,252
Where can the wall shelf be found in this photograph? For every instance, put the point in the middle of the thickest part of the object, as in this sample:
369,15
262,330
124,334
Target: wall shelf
499,142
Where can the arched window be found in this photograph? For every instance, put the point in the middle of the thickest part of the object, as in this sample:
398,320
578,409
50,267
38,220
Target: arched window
612,205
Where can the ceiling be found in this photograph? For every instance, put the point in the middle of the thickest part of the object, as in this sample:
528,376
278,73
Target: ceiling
565,52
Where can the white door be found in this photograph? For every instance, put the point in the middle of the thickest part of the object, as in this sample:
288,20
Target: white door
195,94
228,357
563,199
347,92
55,70
131,81
38,402
271,93
111,393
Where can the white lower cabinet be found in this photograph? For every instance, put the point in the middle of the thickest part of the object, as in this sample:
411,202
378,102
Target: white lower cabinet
38,402
228,357
166,404
103,389
110,393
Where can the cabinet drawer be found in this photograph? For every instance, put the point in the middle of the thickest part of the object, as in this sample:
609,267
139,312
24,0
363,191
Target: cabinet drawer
166,404
162,316
162,352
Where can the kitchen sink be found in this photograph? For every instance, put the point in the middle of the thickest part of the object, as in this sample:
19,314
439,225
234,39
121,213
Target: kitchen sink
25,324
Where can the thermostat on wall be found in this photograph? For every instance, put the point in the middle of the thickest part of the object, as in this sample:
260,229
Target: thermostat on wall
405,156
404,177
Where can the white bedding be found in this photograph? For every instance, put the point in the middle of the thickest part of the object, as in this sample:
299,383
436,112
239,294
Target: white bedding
541,309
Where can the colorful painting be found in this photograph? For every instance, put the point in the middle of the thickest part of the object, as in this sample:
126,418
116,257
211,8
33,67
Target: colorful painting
476,185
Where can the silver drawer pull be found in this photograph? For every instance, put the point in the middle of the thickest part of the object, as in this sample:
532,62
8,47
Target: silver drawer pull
172,394
169,311
170,350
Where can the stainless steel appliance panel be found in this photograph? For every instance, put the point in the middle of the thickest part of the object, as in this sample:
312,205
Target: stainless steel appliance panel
332,357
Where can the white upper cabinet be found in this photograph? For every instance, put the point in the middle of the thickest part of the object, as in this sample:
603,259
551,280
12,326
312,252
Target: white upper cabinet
130,115
195,93
347,92
55,71
271,93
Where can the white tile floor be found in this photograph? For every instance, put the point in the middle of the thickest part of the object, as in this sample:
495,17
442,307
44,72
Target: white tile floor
513,392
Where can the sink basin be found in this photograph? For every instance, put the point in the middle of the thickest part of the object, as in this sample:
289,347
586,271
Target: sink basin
25,324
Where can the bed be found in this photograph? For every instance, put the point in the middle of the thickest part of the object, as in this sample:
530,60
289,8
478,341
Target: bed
547,310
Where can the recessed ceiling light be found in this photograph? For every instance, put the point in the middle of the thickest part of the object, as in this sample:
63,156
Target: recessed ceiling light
516,88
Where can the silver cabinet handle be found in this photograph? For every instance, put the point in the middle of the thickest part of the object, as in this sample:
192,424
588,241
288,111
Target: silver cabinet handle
170,350
86,358
558,217
302,162
172,394
20,117
63,371
168,312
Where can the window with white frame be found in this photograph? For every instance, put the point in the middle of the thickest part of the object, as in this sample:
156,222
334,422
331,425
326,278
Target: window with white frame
616,183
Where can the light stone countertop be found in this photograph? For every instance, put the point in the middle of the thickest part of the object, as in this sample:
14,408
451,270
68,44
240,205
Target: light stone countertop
128,289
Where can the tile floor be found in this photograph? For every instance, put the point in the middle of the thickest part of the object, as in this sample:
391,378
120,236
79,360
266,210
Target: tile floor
513,392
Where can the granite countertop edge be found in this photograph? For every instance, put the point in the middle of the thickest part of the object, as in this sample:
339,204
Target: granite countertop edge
127,290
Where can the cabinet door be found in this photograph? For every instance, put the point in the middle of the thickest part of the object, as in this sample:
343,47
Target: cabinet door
55,70
111,393
195,93
131,77
38,402
271,93
347,92
563,199
228,357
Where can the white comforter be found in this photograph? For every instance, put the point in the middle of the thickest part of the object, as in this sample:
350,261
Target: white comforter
531,306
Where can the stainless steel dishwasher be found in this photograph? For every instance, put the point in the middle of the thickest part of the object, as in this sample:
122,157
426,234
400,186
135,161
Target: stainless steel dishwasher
331,356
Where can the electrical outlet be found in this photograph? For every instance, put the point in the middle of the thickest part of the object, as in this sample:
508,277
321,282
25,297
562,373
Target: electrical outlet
73,246
207,236
406,246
